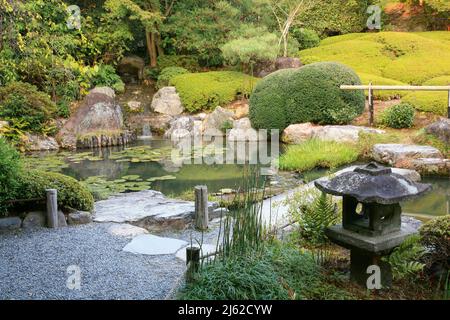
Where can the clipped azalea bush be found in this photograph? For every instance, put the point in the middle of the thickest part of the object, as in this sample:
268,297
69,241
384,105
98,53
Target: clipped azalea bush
71,193
207,90
430,101
308,94
435,236
22,103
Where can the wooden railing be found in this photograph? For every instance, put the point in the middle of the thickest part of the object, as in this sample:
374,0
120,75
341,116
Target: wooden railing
371,87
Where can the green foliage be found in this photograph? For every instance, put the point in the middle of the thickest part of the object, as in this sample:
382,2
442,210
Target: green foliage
106,76
167,74
411,58
200,28
398,116
308,94
183,61
317,154
306,38
377,80
251,46
71,193
405,259
435,235
227,125
314,211
10,168
23,102
207,90
435,102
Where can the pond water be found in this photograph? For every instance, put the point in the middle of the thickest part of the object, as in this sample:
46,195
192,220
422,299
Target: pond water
148,164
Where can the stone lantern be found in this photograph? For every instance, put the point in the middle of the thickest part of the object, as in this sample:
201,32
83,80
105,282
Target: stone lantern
371,216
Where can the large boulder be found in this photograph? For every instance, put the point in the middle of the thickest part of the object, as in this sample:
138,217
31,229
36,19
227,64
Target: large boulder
10,223
182,128
41,143
131,68
215,122
427,166
98,118
35,219
167,101
440,129
298,133
398,154
263,69
243,131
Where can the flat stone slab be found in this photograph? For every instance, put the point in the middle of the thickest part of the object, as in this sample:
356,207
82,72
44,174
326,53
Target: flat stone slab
394,153
154,245
126,230
206,249
146,209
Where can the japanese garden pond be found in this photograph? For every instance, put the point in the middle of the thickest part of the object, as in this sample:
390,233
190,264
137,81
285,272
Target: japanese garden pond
147,165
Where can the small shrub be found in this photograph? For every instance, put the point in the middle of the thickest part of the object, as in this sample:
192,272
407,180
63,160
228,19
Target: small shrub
22,101
167,74
207,90
435,235
398,116
318,154
308,94
306,38
10,167
227,125
71,193
106,76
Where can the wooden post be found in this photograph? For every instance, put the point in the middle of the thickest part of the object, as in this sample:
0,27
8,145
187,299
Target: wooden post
371,105
448,105
52,208
192,262
201,207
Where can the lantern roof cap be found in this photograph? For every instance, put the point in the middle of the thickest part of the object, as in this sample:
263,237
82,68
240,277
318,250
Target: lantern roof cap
373,183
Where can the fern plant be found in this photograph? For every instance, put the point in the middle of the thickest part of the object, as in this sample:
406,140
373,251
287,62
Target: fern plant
405,259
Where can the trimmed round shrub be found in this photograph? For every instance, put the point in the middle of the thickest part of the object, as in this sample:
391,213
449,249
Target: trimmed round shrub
10,167
306,38
268,100
22,101
398,116
308,94
167,74
435,236
71,193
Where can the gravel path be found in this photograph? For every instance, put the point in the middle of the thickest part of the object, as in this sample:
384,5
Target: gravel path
33,265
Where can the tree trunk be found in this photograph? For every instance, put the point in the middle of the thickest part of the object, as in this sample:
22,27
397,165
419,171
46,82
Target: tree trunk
151,48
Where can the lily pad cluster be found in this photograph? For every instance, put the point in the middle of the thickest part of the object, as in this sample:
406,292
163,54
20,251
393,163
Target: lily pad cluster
141,154
54,162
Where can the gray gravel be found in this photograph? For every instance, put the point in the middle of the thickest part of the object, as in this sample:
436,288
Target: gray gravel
33,265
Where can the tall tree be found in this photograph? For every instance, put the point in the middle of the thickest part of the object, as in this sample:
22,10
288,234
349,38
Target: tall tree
147,12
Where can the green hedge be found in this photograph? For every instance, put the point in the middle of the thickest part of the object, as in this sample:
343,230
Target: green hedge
207,90
10,167
308,94
71,193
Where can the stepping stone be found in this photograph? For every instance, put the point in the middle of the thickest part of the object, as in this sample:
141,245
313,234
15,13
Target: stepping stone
206,249
126,230
154,245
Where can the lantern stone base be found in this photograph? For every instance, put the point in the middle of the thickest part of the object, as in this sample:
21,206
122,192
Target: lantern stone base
367,250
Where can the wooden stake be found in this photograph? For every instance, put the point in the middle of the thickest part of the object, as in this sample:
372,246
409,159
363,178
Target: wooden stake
201,207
